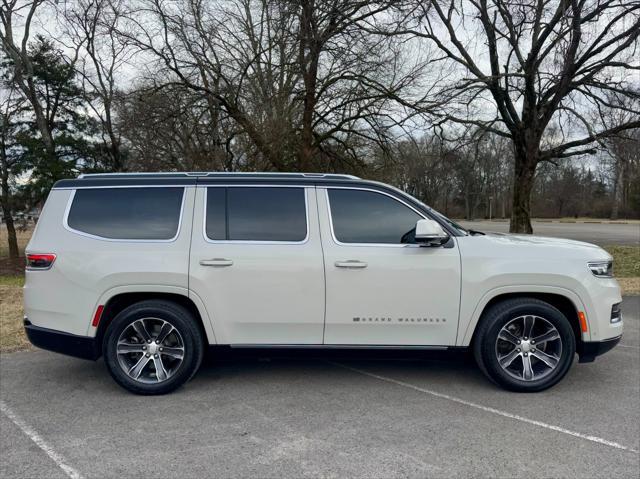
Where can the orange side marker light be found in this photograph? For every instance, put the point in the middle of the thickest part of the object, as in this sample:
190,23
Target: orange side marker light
583,322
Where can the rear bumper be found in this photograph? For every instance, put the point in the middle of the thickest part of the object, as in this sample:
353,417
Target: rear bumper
60,342
589,350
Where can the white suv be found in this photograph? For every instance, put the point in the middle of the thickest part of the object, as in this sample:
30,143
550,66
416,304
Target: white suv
148,269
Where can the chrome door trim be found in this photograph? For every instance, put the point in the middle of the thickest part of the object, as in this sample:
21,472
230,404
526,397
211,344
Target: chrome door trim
66,226
379,245
254,242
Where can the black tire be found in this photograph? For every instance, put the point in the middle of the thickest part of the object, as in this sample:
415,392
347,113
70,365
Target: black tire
186,329
485,348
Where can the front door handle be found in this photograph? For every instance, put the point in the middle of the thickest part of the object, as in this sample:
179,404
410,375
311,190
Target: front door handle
216,262
352,263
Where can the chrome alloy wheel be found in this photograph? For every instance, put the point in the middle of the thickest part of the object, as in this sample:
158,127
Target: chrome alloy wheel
529,348
150,350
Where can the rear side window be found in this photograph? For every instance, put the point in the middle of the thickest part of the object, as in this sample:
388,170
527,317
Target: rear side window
256,214
127,213
360,216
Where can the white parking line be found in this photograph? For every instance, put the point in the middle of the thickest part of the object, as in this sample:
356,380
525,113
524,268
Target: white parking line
516,417
41,443
628,346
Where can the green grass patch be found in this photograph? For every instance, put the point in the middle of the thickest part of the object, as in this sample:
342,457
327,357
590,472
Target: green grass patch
11,280
626,260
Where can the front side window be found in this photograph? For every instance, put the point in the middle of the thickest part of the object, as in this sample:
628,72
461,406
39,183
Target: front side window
256,214
127,213
360,216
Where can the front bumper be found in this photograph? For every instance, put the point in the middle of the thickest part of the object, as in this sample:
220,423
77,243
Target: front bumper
60,342
587,351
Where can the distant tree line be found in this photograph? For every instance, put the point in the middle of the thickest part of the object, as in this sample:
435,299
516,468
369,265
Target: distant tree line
479,108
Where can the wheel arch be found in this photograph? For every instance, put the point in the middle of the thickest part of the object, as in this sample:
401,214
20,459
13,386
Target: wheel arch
119,300
564,300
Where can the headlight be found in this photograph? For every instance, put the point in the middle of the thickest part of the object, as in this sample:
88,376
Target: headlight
602,269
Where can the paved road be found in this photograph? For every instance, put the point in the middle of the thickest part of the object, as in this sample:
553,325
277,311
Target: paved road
598,233
339,418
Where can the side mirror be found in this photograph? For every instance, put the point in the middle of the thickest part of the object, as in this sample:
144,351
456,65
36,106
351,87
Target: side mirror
430,233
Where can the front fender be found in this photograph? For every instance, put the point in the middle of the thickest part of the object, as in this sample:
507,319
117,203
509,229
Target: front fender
469,321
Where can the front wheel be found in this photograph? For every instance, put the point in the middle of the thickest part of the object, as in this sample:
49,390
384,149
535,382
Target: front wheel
524,344
153,347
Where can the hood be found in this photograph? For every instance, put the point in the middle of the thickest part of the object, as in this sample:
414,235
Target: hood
516,239
531,253
542,246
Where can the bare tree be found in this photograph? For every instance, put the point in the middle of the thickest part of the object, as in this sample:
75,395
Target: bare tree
12,108
92,26
257,40
298,78
348,75
170,129
16,50
422,167
621,157
18,16
624,149
529,71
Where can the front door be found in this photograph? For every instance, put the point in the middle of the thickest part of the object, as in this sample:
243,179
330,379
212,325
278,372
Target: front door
256,262
381,288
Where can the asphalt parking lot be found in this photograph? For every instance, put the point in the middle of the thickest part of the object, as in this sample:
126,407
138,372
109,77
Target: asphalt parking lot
598,233
434,417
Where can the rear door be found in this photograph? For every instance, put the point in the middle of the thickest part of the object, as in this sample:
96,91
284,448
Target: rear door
382,288
256,262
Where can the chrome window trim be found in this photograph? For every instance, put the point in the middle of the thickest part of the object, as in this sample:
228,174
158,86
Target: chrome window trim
378,245
65,221
255,242
102,187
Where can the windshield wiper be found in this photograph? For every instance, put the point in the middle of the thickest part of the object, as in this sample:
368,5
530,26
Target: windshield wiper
475,232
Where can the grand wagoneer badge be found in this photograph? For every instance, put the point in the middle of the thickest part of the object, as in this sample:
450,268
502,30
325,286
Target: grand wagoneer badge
371,319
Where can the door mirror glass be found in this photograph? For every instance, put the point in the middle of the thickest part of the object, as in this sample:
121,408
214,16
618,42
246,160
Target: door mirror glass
430,233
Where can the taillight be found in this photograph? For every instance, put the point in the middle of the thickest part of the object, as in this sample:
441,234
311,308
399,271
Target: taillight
40,260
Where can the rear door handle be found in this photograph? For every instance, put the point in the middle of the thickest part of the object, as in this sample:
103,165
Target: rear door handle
220,262
352,263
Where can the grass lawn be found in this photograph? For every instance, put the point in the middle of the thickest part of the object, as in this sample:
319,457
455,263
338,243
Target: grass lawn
12,338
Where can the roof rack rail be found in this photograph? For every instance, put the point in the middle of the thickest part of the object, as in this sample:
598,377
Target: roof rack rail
210,174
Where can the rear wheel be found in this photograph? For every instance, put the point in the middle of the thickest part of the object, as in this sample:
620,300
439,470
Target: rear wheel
524,344
153,347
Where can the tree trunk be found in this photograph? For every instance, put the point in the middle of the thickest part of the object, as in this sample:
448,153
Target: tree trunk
114,141
305,154
14,252
42,122
306,148
467,208
8,216
616,192
309,58
524,176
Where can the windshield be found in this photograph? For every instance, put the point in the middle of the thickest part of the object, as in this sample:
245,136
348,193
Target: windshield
435,213
451,223
442,217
